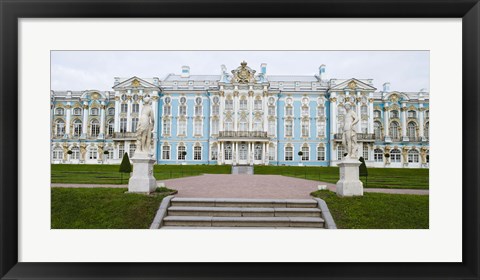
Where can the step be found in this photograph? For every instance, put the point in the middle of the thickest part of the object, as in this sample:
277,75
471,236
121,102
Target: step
244,202
203,221
242,211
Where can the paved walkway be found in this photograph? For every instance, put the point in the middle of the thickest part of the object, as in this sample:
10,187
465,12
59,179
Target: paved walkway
246,186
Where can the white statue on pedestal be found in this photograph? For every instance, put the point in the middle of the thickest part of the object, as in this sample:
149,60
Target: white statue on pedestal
349,137
145,127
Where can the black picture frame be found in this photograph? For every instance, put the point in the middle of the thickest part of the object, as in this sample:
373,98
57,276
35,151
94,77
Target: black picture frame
11,11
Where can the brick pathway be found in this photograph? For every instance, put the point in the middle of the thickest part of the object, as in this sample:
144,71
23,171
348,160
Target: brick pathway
245,186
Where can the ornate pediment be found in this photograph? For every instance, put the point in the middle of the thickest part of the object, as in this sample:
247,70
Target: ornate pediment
243,74
353,85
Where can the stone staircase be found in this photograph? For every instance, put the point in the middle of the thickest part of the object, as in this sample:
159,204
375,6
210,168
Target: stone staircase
242,169
179,212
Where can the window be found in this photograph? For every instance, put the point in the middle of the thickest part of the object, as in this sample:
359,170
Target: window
321,111
394,114
77,111
94,112
288,153
135,108
77,128
123,125
92,153
377,129
243,104
394,130
75,153
111,111
258,152
427,114
395,155
365,151
271,152
412,130
134,124
243,125
257,125
121,150
165,152
197,153
305,153
228,125
60,128
135,97
181,153
305,128
289,111
228,104
182,110
166,127
321,153
59,111
198,100
304,111
167,100
364,110
94,128
182,127
198,127
216,99
340,152
288,128
271,100
215,110
426,130
320,129
110,152
377,114
167,110
412,114
413,156
57,153
215,152
132,149
228,151
271,110
198,110
124,108
378,155
111,127
215,126
258,104
183,100
124,97
271,127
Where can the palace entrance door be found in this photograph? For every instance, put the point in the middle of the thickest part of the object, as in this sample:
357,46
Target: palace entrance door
243,153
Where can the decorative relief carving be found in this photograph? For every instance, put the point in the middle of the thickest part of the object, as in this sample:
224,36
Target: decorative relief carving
243,74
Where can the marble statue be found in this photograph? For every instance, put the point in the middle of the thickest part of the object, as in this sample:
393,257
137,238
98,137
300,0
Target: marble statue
349,137
145,126
423,154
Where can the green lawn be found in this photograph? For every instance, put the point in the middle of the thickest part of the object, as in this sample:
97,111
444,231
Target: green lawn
108,174
103,208
378,210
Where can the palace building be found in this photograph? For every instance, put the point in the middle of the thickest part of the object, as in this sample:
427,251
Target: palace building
242,117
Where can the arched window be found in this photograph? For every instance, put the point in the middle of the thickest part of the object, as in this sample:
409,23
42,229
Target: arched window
215,126
111,127
271,127
111,111
271,110
305,111
395,155
214,152
110,152
182,110
426,130
412,114
121,150
60,128
167,110
75,153
57,153
198,127
92,152
77,111
305,128
166,127
394,130
394,114
321,111
243,103
412,130
365,151
132,149
258,104
258,152
288,128
166,152
59,111
305,153
320,153
135,108
94,128
288,153
228,125
198,110
377,128
320,128
289,110
377,114
271,152
182,127
257,125
340,152
134,124
364,110
124,108
228,151
215,110
181,152
123,125
197,152
243,125
413,156
94,112
378,155
228,103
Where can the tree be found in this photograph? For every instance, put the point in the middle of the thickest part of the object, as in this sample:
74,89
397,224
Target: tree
125,166
363,169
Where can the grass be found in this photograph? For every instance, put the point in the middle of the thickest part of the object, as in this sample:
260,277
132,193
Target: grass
103,208
403,178
378,210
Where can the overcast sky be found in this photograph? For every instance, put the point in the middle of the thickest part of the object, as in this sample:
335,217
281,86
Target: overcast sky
82,70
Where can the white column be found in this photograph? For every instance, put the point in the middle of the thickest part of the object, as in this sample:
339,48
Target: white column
250,110
420,120
68,112
359,112
155,126
386,115
129,111
222,110
235,111
102,120
85,119
370,116
264,154
265,111
404,121
117,113
333,115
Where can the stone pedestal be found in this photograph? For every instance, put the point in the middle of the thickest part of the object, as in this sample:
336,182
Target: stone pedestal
142,180
349,183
